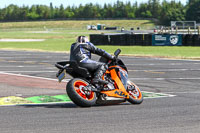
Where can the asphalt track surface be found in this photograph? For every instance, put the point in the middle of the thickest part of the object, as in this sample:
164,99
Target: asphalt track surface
179,114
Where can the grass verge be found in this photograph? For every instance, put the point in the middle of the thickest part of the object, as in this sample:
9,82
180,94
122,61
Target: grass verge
79,24
61,39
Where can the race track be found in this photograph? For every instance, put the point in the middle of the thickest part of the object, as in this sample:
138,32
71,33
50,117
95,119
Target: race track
178,114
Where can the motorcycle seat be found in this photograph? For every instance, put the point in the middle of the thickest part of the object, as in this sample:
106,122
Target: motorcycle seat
74,70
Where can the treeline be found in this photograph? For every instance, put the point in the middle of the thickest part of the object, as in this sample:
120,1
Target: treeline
164,12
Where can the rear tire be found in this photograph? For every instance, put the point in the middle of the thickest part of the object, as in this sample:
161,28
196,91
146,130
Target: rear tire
135,96
76,93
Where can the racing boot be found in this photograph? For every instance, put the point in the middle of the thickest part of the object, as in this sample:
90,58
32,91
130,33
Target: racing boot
98,75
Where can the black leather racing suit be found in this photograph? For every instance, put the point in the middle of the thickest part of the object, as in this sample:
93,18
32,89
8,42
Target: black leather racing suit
81,53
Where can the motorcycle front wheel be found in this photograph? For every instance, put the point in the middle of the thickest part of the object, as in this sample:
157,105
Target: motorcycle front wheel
78,94
135,95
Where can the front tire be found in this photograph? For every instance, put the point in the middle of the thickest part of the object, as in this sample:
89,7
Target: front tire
76,92
135,95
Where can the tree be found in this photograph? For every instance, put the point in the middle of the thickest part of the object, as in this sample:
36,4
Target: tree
156,8
171,12
192,2
119,10
143,11
165,12
110,12
51,11
69,13
32,14
12,12
23,13
193,11
2,14
61,11
130,10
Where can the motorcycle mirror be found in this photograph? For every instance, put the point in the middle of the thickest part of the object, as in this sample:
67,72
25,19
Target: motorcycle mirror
117,52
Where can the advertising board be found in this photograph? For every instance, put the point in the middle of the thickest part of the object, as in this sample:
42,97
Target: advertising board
166,40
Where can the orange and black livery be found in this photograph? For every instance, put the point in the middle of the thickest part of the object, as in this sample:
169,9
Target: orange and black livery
83,93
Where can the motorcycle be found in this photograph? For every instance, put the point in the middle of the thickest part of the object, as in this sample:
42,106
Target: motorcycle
85,94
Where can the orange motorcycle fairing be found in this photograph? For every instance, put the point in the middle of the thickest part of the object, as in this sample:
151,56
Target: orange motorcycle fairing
119,92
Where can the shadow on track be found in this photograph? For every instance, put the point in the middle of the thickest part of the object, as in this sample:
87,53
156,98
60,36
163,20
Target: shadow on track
67,105
53,105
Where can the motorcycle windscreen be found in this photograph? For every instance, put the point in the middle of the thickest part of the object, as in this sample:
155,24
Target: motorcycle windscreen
124,77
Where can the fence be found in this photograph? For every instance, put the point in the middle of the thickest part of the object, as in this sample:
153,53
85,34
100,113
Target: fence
177,30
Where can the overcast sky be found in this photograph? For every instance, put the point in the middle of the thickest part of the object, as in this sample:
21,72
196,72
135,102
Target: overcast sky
4,3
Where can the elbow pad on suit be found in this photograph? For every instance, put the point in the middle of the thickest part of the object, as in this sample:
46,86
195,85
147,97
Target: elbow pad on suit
103,53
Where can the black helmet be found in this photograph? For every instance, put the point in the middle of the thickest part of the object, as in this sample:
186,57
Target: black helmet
82,39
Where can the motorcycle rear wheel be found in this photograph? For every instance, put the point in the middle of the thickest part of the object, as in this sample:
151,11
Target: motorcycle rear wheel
76,92
135,95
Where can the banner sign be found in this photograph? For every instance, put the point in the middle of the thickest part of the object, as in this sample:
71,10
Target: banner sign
166,40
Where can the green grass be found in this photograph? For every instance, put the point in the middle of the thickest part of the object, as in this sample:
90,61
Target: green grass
62,38
78,24
55,40
158,51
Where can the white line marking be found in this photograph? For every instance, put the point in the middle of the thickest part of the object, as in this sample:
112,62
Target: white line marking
188,92
30,76
23,54
16,66
27,66
25,57
18,61
109,98
163,95
197,78
22,40
179,59
160,70
37,104
65,80
31,71
163,64
155,58
52,103
166,70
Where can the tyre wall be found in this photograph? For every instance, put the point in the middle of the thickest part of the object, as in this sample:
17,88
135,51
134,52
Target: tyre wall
138,39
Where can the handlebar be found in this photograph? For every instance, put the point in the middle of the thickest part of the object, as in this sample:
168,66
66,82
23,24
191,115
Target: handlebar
116,54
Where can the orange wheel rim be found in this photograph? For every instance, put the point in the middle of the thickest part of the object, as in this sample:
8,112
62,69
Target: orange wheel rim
136,94
79,87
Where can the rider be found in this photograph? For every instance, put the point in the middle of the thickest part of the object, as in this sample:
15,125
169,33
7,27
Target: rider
81,53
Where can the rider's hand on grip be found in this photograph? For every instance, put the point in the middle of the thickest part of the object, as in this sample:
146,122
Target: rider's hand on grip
114,58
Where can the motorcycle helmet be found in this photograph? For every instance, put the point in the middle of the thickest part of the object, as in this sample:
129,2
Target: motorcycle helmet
82,39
